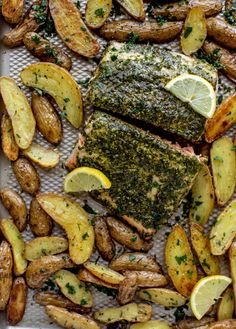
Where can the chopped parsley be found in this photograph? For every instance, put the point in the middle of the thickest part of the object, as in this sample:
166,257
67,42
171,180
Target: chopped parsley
134,238
83,28
113,58
78,4
39,92
205,264
188,30
85,236
132,38
161,20
66,100
70,289
49,51
218,158
83,82
213,58
181,259
132,258
179,312
83,302
40,12
35,38
99,12
233,148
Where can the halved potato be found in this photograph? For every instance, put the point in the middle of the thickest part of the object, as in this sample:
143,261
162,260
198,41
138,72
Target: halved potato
12,10
232,264
146,279
134,8
59,84
40,222
19,110
9,145
152,324
104,273
74,221
74,289
6,275
86,276
225,309
162,296
44,157
97,12
17,302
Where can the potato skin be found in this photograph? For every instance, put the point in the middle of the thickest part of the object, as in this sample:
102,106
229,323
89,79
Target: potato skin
222,32
127,289
6,278
146,279
17,301
12,10
225,324
86,276
9,145
136,261
26,176
103,241
40,222
192,323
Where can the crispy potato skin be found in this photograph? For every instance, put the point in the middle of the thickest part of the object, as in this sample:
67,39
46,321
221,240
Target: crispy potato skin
136,261
86,276
17,301
127,289
225,324
146,279
222,32
9,145
26,176
40,221
12,10
92,20
192,323
103,241
6,278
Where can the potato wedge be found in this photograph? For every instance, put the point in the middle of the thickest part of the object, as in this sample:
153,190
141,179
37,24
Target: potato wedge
9,145
14,237
16,207
146,279
201,245
179,261
232,264
40,221
6,277
69,320
104,273
194,32
203,196
44,157
127,289
17,301
131,312
86,276
134,8
224,230
74,289
192,323
222,32
223,164
97,12
135,261
225,309
222,120
26,175
225,324
147,31
12,10
162,296
74,220
71,28
103,241
47,119
152,324
59,84
45,246
40,270
19,110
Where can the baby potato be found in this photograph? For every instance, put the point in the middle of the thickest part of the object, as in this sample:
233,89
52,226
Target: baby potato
46,158
104,273
97,12
9,145
192,323
103,241
161,296
225,308
86,276
222,32
12,10
17,301
6,277
40,221
146,279
134,8
136,261
127,288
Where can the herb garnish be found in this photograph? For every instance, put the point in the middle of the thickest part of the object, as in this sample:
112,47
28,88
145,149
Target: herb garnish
132,38
70,289
213,58
99,12
181,259
188,30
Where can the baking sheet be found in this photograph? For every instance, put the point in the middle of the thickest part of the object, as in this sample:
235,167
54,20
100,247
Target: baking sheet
11,63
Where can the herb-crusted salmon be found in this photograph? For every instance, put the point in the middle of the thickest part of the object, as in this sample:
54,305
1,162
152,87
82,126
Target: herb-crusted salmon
130,81
149,176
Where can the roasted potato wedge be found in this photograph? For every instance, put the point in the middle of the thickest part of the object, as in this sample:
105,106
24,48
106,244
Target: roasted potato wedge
103,241
74,289
6,277
179,261
222,32
59,84
17,301
203,196
19,110
44,157
45,51
104,273
194,32
232,264
26,175
224,230
74,220
68,319
16,207
9,145
40,270
192,323
86,276
12,10
47,119
131,312
201,245
223,164
135,261
45,246
146,279
162,296
14,237
71,28
126,236
225,309
225,324
40,221
152,324
134,8
222,120
147,31
97,12
127,288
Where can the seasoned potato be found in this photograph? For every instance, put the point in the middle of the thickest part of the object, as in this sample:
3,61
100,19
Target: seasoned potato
162,296
152,324
147,31
203,195
97,12
17,301
130,312
69,320
224,230
12,10
222,32
134,8
222,119
223,164
127,289
126,236
16,207
40,270
104,273
135,261
147,279
19,110
6,264
45,246
103,241
194,32
47,119
71,28
232,264
59,84
74,220
86,276
40,221
192,323
14,237
201,245
225,324
9,145
45,51
44,157
26,176
225,309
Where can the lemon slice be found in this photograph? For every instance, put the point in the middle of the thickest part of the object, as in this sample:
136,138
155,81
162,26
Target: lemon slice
85,179
195,91
206,292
